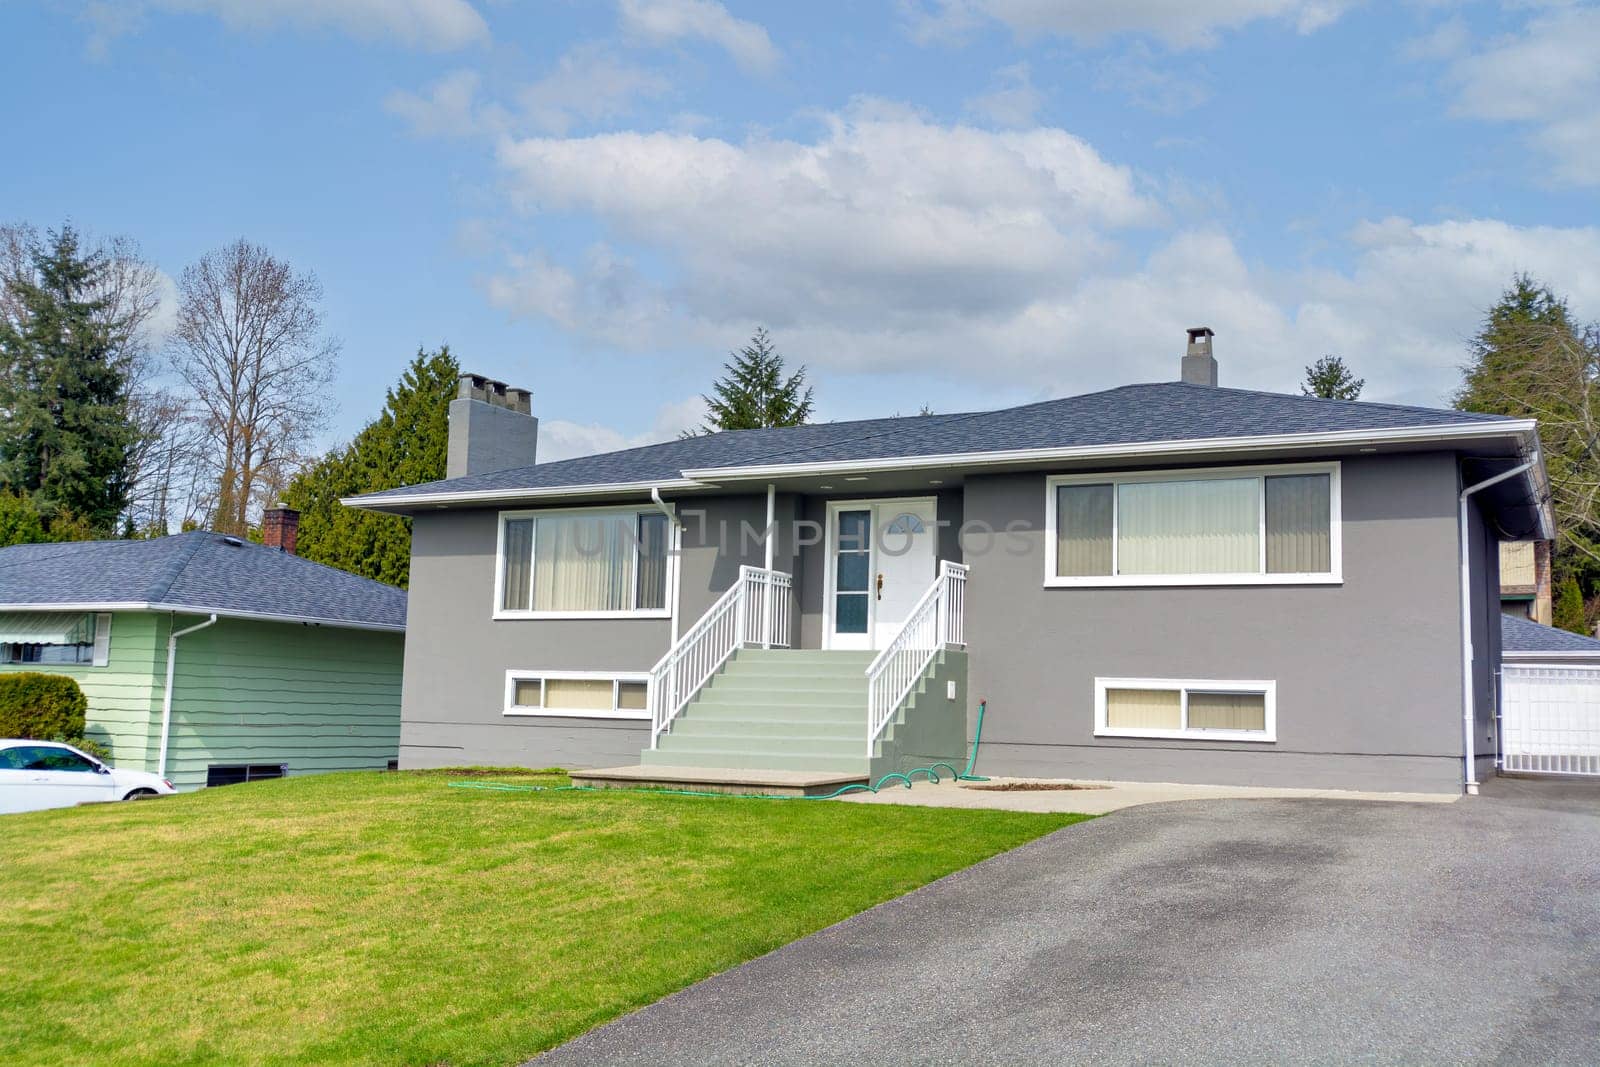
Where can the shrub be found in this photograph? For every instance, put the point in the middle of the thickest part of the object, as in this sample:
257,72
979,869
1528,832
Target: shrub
88,745
41,706
1569,607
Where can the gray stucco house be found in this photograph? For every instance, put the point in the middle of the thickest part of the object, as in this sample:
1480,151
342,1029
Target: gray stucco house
1171,581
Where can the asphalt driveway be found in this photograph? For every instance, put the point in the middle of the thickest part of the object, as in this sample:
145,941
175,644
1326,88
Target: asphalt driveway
1307,931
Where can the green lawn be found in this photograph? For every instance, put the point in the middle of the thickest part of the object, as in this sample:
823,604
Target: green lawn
389,918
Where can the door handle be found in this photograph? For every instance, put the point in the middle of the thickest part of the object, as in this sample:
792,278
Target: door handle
880,587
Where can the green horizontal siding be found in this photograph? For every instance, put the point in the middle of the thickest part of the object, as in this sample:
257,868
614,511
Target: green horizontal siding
123,693
315,698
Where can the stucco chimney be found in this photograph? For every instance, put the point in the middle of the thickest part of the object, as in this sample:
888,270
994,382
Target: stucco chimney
280,528
1199,365
492,428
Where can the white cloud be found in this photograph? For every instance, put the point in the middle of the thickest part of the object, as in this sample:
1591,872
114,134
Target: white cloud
560,439
588,84
1011,99
1545,76
435,25
1178,23
447,108
886,217
1150,81
667,21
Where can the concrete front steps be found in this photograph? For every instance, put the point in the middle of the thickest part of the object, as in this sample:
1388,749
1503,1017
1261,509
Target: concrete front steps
789,710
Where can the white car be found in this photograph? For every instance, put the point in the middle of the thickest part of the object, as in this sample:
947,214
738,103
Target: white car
47,774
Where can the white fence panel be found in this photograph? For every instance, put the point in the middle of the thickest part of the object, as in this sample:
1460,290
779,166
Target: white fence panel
1550,720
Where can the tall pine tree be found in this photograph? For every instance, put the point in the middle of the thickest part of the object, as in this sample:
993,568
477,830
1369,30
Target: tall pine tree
753,392
404,445
1330,379
66,437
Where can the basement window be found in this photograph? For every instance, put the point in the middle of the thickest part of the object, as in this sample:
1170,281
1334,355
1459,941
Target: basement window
1194,710
236,773
582,694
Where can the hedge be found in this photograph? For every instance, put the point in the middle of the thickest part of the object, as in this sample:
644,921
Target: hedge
41,706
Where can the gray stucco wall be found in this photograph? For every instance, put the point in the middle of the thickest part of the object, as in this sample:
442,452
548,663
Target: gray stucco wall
1367,672
452,709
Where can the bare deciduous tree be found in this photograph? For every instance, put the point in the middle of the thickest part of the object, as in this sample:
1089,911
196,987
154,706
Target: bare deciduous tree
249,343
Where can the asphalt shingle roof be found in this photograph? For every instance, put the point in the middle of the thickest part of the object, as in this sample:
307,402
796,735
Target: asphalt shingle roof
200,570
1524,635
1133,414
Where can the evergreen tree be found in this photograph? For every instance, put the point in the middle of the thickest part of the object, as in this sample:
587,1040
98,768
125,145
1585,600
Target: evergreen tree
404,445
1330,379
753,392
1568,610
66,437
20,523
1531,359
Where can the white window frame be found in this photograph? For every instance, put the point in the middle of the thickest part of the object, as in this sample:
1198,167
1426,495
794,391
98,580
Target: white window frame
673,545
616,678
1183,686
1334,575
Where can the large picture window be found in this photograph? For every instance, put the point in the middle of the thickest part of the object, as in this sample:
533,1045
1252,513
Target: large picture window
586,562
55,639
1191,710
1270,525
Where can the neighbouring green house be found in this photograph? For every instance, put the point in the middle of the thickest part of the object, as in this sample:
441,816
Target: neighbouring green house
211,660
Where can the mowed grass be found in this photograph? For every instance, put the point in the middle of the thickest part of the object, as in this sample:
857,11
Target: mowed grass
391,919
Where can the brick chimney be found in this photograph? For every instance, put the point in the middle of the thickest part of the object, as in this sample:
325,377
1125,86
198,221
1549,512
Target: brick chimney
492,428
280,528
1199,365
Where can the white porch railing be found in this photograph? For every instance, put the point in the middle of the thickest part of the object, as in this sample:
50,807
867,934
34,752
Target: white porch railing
754,611
938,621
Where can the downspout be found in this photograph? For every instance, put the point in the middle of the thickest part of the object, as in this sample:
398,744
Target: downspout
1468,727
772,521
677,534
166,694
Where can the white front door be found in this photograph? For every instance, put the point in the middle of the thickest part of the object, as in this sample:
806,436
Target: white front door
882,556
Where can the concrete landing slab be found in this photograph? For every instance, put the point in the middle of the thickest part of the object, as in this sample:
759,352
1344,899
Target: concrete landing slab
715,780
1088,797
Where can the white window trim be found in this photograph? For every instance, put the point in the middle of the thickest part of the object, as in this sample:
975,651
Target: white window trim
614,677
664,612
1183,685
1334,576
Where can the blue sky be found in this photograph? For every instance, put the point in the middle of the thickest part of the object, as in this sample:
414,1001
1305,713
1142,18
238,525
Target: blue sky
959,203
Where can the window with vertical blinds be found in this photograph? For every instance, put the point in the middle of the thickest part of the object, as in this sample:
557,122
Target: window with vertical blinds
584,562
1202,710
1262,524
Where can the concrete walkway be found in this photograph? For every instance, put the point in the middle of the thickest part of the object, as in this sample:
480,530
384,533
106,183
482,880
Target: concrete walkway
1227,932
1097,797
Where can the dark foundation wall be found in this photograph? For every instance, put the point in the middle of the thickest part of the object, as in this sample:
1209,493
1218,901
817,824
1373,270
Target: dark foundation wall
1368,672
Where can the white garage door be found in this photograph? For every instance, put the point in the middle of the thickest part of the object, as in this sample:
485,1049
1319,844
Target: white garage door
1550,720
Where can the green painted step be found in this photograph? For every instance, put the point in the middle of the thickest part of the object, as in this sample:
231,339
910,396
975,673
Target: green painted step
699,726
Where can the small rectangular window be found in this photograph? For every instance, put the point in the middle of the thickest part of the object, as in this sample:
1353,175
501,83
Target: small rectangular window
580,695
1199,710
236,773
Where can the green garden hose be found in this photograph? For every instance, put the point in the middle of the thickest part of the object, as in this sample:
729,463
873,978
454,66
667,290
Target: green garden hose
860,787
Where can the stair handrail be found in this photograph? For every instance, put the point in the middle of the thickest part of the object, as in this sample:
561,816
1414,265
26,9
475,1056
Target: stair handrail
753,611
937,621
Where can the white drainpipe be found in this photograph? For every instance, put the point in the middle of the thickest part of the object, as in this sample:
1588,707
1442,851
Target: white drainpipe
166,695
1468,726
677,527
772,520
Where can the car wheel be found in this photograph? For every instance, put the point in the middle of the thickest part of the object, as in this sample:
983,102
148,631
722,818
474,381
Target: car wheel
141,794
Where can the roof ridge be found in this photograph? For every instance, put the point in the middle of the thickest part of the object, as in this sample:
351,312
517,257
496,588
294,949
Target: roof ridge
1472,416
175,567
